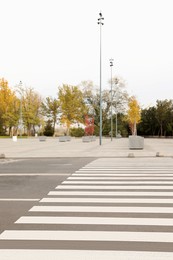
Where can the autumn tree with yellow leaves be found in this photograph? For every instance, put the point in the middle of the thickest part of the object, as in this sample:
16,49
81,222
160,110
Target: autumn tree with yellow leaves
133,114
9,108
72,106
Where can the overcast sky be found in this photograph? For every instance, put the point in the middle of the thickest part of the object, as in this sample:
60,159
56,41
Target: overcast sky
45,43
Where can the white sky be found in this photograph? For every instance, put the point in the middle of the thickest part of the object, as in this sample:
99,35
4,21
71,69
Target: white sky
45,43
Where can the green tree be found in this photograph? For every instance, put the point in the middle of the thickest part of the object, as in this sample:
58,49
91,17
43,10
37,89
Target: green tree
31,109
49,129
92,99
72,105
164,114
149,124
51,109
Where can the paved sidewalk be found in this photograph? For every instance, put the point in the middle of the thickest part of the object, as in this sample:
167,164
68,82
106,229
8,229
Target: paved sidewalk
32,147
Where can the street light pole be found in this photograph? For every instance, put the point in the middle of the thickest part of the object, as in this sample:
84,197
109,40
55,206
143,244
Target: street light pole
100,22
116,126
20,85
111,65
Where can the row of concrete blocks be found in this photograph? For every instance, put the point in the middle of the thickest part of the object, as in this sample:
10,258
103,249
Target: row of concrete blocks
63,138
66,138
88,138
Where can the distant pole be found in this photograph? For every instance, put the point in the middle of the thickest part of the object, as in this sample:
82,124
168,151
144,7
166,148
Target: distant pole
20,85
111,65
116,126
100,22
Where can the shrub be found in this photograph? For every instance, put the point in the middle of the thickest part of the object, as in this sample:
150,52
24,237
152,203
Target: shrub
77,132
49,130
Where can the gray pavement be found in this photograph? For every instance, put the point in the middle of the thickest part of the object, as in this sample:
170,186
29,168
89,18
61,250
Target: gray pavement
32,147
110,207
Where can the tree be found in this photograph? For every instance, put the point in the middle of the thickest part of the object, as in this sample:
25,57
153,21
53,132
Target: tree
48,130
72,105
31,109
9,107
51,110
133,114
119,95
92,100
164,114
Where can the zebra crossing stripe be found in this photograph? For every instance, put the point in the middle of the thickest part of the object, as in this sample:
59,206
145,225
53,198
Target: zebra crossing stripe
124,170
21,254
164,237
118,177
110,193
113,187
118,182
106,209
121,175
107,200
95,221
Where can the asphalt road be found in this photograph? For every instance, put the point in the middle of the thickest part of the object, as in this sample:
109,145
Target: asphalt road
25,181
113,208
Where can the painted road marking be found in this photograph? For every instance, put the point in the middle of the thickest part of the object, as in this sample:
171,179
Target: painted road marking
110,193
120,177
95,221
21,254
107,200
114,187
101,209
118,182
164,237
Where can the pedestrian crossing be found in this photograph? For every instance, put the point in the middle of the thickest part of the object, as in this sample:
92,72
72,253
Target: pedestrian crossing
112,208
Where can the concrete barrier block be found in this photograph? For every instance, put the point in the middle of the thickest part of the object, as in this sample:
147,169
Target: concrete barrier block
136,142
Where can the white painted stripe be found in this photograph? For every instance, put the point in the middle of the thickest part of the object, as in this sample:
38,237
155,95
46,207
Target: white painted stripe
118,182
95,221
109,193
101,209
107,200
119,177
131,168
127,170
87,236
17,199
28,254
103,187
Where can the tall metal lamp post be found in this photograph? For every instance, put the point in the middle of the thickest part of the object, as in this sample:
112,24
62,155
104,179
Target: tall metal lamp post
116,126
100,22
20,124
111,65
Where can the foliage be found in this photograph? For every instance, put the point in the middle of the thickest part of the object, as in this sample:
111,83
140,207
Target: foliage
49,129
92,99
149,124
77,132
72,106
9,107
31,109
164,113
51,109
133,114
157,120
